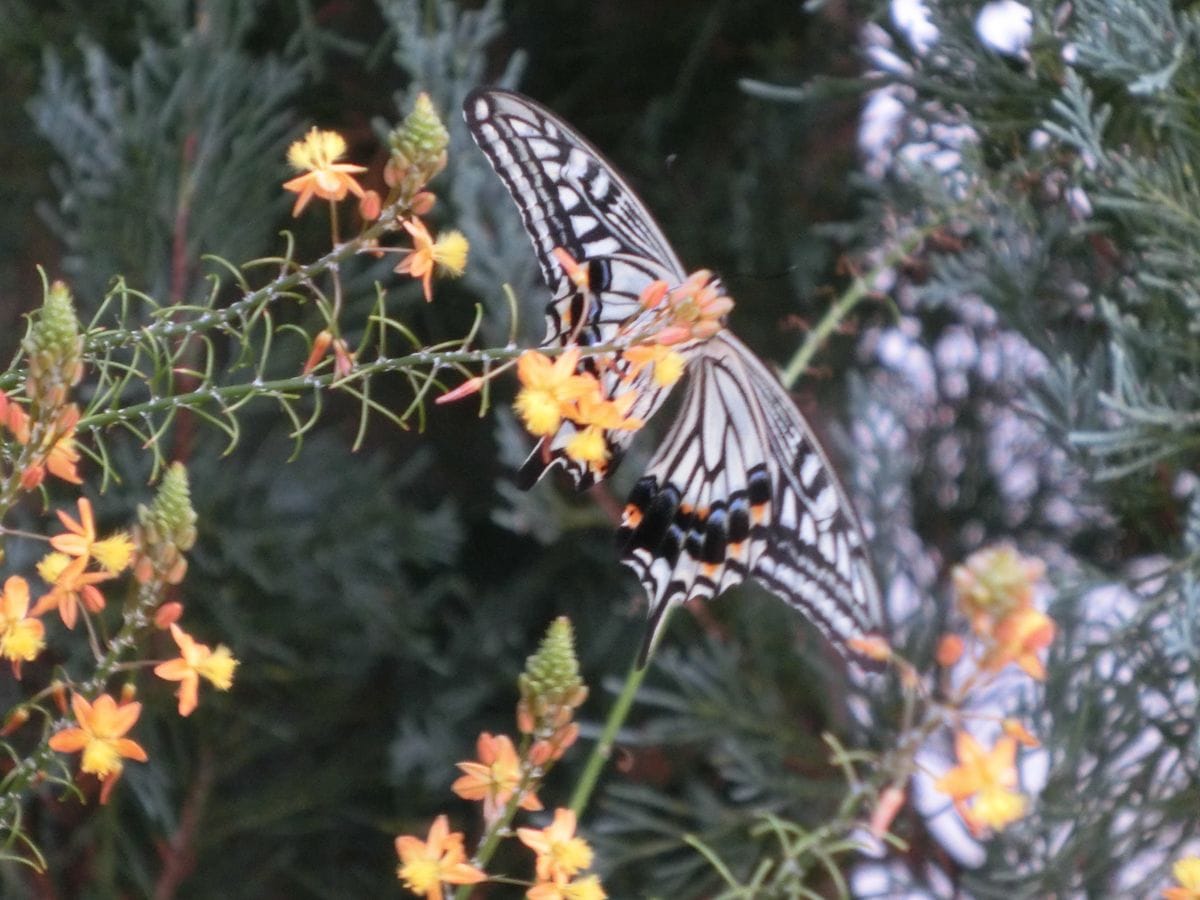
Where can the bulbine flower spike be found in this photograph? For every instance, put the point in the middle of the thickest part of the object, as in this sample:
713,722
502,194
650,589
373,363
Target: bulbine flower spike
325,177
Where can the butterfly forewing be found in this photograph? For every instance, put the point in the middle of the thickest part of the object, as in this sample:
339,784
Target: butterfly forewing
739,487
571,198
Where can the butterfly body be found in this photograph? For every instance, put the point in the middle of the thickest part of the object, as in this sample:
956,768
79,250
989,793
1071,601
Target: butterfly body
739,487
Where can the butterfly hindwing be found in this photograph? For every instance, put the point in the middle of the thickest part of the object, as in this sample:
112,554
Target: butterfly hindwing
740,487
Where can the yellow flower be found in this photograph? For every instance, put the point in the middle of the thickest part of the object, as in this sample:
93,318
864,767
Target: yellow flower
325,178
586,888
21,636
560,855
426,865
1187,873
548,389
196,661
449,252
590,447
982,783
100,734
52,566
113,553
495,778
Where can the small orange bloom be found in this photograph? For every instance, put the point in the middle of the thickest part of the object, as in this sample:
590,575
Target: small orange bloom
560,854
574,271
71,585
62,460
495,778
982,783
667,365
81,534
696,309
949,650
1019,637
196,661
100,734
871,646
1187,873
425,865
325,178
449,252
22,637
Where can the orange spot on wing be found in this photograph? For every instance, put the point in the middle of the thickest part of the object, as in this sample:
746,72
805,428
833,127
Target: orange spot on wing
632,517
736,550
708,570
758,513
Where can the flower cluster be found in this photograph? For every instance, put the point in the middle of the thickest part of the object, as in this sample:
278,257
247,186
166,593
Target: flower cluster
595,395
505,779
995,590
81,564
417,154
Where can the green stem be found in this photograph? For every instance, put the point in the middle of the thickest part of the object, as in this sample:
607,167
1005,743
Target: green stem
842,307
603,749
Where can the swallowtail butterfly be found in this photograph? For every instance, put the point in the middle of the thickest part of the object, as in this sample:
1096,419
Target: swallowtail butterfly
740,488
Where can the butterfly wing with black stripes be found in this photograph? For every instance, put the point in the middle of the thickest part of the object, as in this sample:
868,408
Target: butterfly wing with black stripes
740,487
571,198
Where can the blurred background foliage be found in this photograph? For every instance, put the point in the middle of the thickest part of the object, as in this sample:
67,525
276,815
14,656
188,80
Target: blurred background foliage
1032,376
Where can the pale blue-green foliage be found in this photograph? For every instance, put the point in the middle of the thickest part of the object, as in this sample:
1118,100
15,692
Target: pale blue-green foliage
124,198
446,58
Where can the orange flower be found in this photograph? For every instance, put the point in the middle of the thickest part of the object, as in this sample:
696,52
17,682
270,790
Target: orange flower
100,734
426,865
14,418
574,271
495,778
196,661
325,178
548,389
22,637
449,252
112,553
1187,873
667,364
586,888
982,783
71,585
1019,637
560,854
63,458
599,415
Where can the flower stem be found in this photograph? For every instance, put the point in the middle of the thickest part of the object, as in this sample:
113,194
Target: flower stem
858,290
603,749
